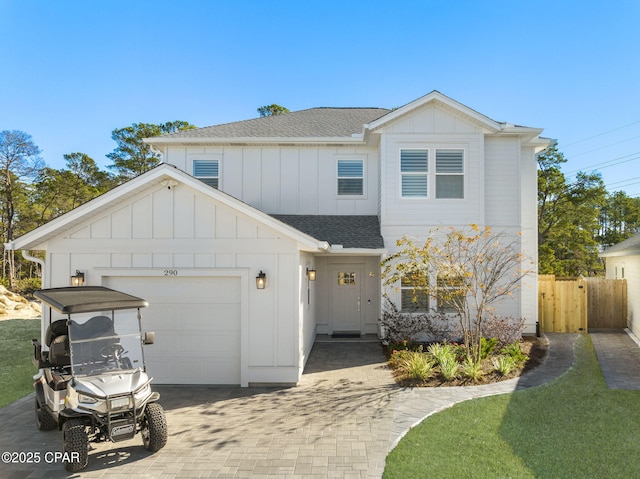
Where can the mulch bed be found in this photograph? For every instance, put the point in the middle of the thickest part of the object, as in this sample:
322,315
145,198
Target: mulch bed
534,347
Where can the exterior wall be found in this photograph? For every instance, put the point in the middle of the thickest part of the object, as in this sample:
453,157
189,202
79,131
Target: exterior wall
287,180
431,127
307,306
628,267
500,191
180,231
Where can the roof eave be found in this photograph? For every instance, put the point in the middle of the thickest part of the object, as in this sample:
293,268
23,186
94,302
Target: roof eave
276,140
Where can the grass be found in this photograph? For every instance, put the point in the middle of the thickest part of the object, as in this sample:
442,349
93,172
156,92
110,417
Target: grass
16,351
571,427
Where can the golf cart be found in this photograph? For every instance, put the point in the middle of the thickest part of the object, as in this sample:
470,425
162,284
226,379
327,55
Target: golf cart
92,382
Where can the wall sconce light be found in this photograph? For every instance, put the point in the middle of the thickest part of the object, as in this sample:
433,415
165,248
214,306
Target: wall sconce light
311,274
261,280
77,279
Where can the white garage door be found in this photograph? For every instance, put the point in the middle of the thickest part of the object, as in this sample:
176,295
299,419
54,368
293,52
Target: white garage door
197,326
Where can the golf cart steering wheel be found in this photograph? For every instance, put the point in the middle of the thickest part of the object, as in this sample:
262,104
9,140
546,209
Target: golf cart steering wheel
114,350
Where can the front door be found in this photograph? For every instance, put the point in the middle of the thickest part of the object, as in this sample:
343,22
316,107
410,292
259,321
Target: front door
346,294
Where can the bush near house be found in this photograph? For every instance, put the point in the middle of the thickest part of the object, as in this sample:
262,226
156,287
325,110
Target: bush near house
451,364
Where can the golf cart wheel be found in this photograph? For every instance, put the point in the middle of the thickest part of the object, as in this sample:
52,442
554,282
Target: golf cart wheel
75,445
44,420
154,428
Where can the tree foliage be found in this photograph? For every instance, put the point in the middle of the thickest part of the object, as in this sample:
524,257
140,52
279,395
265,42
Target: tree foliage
469,272
272,110
19,162
568,215
619,219
132,156
59,191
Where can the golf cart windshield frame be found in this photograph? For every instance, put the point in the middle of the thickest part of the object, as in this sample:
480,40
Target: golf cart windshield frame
91,332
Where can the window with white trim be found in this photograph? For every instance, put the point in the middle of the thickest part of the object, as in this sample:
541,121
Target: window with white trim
450,292
449,173
414,173
413,295
350,177
207,171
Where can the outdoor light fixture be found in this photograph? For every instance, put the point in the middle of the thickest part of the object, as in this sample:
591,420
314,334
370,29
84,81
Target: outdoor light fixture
78,279
261,280
311,274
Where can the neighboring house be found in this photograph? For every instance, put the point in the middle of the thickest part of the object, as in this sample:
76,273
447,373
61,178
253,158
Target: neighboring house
622,261
322,193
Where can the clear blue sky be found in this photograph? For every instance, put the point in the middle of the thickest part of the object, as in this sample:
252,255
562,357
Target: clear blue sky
73,71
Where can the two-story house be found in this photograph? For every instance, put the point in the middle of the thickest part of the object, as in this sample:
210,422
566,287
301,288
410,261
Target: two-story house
255,236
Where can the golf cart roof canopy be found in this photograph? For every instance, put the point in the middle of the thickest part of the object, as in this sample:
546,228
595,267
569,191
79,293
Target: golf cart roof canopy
87,299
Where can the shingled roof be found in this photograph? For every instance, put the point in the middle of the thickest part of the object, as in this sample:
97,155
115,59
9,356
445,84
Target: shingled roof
348,231
311,123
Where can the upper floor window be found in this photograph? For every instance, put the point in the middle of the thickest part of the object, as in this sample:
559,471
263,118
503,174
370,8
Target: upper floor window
350,177
414,173
207,171
449,173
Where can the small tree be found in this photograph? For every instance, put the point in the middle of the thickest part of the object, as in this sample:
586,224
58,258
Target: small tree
272,110
467,272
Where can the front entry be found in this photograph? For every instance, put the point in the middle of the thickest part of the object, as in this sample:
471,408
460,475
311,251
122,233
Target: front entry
346,306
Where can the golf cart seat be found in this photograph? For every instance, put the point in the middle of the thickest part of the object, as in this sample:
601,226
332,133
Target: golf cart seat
57,339
94,328
55,329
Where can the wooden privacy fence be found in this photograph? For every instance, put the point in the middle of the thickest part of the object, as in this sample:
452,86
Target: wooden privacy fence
577,304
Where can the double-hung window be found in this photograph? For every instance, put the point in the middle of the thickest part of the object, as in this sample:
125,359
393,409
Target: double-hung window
449,173
413,295
414,173
207,171
350,177
450,293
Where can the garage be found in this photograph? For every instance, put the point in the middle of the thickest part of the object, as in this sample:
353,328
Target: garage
197,324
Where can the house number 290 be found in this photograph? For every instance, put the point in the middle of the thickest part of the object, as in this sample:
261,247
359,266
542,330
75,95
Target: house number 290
171,272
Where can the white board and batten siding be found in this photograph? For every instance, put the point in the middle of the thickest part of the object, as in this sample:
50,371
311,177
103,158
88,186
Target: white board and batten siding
195,260
431,127
287,180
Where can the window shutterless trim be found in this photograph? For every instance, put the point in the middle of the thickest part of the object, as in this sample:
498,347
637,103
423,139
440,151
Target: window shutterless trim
350,175
414,173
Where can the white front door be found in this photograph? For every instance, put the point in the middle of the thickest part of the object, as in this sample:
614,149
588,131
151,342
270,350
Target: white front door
346,297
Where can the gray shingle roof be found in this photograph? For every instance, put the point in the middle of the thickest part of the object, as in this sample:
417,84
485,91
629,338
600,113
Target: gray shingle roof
315,122
349,231
630,246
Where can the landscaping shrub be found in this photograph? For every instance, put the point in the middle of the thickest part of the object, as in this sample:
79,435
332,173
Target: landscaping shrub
514,351
472,369
417,365
504,364
442,352
506,329
449,367
487,347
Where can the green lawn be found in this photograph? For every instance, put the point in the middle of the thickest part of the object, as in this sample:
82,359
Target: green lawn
572,427
16,351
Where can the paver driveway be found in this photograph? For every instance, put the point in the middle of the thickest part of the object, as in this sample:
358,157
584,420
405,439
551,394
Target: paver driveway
336,423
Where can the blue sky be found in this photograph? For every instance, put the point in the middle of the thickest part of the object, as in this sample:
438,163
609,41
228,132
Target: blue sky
72,71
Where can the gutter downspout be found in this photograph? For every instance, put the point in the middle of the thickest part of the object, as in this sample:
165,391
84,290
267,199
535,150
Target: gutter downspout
28,257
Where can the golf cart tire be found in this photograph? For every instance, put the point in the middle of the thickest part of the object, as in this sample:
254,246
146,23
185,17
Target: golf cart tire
44,419
154,431
75,445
